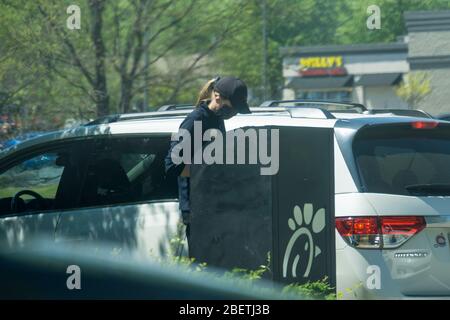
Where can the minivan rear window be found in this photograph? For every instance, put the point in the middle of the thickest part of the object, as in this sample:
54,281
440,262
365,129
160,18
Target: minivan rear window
398,159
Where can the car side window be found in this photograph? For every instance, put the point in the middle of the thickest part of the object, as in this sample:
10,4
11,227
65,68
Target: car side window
34,183
127,170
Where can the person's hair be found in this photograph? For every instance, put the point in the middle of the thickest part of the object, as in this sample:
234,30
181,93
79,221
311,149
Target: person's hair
205,92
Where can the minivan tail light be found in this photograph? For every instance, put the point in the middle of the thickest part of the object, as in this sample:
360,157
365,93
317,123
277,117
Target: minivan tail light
379,232
424,124
397,230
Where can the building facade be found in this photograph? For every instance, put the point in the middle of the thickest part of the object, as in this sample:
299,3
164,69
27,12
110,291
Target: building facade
370,73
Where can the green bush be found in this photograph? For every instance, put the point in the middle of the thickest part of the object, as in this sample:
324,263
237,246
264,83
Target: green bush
312,290
243,277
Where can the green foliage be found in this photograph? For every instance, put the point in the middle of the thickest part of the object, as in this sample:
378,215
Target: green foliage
248,278
414,88
189,42
251,275
305,23
392,23
312,290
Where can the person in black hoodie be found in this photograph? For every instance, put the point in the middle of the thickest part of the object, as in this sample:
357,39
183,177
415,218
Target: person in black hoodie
220,99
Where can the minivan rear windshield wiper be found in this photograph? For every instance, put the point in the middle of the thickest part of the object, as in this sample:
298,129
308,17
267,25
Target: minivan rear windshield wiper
434,189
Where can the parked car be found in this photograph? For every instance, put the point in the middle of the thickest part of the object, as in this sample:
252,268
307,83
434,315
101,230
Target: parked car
31,163
107,184
19,138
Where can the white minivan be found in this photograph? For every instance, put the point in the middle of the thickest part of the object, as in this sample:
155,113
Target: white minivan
105,183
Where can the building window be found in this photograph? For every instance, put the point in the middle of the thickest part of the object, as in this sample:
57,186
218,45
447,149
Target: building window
341,96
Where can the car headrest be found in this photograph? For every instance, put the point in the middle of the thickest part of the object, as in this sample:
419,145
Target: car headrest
111,176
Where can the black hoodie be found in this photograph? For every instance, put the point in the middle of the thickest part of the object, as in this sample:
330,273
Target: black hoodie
209,120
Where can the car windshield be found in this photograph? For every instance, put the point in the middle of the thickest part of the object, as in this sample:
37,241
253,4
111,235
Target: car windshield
404,160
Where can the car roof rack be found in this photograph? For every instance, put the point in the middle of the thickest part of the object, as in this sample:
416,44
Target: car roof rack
314,113
136,116
183,106
403,112
163,111
182,110
162,114
332,106
103,120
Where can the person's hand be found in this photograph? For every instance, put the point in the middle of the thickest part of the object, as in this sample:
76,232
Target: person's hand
186,171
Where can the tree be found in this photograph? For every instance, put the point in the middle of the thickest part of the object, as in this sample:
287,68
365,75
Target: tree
168,30
414,88
290,23
102,68
105,59
305,23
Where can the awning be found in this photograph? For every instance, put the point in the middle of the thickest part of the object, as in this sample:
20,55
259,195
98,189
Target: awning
380,79
320,82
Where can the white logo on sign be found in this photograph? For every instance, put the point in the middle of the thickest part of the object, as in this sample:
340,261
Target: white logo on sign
301,225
